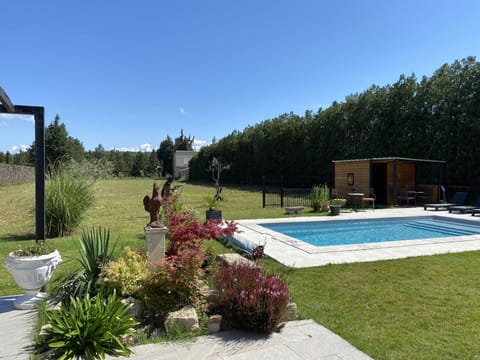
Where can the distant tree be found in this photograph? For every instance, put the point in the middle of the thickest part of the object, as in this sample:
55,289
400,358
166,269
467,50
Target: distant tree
153,164
8,157
21,158
184,143
2,157
99,152
165,155
139,165
59,146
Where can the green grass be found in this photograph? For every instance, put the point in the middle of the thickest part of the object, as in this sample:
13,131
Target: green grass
416,308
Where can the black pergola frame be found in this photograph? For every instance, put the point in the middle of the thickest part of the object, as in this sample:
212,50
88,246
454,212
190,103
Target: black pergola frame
38,112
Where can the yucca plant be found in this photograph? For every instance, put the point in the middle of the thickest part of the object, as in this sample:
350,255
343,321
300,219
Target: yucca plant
67,200
95,252
88,328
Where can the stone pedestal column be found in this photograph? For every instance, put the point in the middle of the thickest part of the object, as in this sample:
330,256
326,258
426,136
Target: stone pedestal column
155,243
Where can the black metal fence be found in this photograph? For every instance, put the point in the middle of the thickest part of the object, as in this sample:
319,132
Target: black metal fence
278,195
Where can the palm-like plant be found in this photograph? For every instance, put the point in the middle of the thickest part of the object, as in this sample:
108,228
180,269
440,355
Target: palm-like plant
95,252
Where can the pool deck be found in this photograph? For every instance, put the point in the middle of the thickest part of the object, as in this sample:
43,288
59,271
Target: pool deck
295,253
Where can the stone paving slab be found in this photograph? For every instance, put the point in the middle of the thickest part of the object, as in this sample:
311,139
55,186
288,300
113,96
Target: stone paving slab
297,340
16,327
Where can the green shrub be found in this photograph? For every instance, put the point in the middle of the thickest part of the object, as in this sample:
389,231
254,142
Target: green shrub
89,327
126,274
95,252
93,169
67,200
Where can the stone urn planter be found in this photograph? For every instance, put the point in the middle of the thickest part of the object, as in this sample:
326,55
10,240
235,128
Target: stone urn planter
31,273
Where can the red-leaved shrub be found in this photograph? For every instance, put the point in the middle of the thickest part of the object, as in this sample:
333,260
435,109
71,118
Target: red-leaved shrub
249,299
185,229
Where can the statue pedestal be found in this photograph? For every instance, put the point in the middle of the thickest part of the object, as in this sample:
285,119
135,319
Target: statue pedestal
155,243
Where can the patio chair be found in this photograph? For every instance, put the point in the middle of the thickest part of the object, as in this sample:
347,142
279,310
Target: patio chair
457,200
370,199
405,196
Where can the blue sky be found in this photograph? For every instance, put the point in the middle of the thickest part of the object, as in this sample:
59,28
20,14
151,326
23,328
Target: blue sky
125,74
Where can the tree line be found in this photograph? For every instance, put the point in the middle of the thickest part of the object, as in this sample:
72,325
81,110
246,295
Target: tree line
63,149
436,117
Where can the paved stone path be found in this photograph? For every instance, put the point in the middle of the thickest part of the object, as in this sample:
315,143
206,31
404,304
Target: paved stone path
298,340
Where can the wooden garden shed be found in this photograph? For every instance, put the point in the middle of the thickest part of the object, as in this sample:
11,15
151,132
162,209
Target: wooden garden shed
388,177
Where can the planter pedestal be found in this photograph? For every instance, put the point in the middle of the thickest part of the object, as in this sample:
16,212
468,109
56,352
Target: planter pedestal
155,243
31,274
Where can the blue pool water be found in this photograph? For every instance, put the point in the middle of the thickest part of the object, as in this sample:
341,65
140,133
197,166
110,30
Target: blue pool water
346,232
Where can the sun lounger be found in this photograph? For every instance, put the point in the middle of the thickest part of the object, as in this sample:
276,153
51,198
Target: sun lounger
458,199
463,209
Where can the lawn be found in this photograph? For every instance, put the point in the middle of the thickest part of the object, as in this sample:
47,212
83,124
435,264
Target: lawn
416,308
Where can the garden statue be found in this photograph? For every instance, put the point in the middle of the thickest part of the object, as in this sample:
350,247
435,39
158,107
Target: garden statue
166,187
152,205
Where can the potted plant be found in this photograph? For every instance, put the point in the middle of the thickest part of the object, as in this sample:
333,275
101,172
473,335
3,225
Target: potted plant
335,206
31,267
212,213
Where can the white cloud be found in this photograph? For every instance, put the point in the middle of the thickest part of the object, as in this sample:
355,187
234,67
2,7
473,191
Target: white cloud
198,144
142,148
124,149
182,111
146,148
20,148
9,117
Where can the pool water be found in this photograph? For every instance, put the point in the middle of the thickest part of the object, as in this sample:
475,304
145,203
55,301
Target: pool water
347,232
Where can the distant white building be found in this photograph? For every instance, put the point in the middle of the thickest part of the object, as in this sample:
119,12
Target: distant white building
181,158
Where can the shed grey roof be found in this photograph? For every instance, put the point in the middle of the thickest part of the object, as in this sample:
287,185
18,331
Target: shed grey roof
387,159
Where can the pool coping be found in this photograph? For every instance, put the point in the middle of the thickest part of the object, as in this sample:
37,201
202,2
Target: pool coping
295,253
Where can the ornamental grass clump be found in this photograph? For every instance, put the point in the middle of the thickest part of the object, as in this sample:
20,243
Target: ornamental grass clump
67,199
249,299
319,196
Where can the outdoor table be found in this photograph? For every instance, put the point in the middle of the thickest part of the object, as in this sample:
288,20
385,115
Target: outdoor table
416,194
356,198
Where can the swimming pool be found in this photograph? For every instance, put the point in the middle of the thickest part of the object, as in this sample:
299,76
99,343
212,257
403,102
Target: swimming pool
347,232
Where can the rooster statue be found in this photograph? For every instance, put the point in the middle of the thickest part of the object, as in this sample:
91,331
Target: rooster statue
152,205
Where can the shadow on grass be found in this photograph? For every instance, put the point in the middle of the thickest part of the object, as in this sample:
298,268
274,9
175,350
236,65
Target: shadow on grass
18,237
